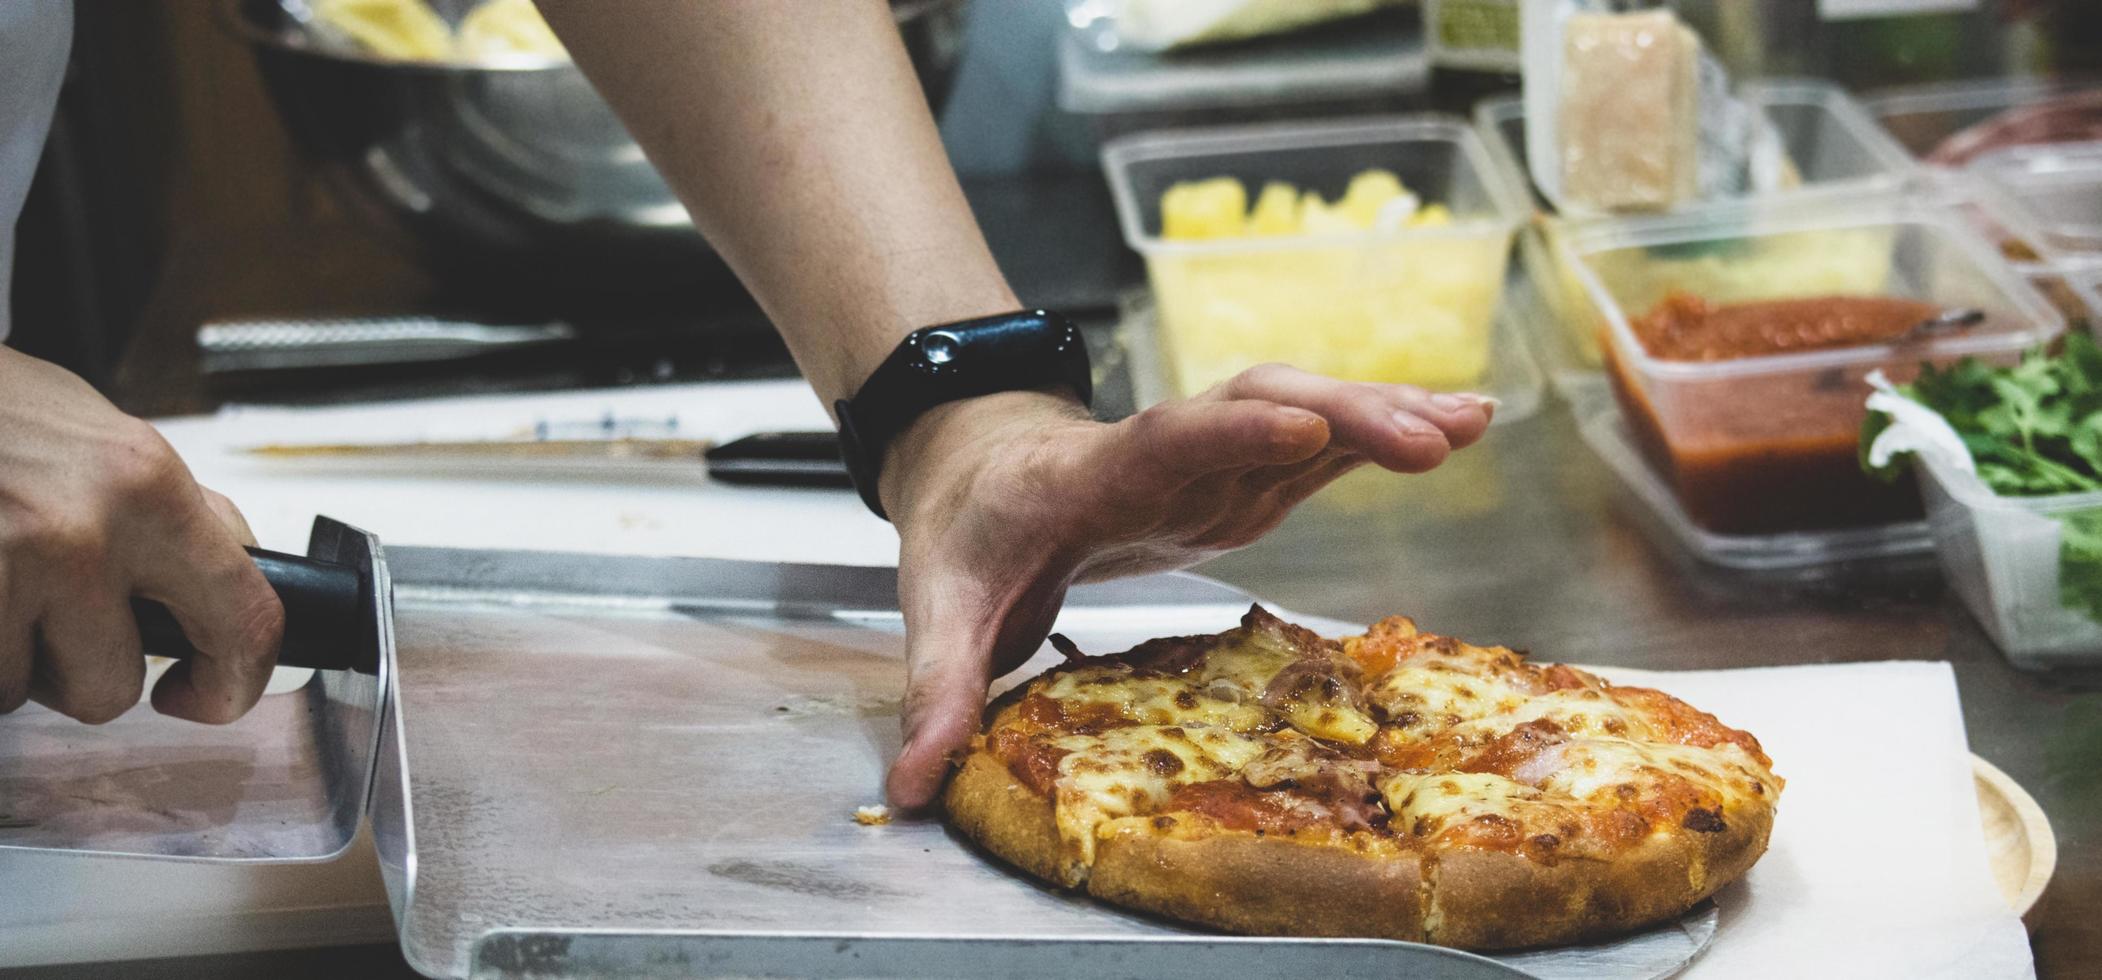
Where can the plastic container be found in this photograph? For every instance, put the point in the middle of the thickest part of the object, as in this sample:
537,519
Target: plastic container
1376,63
1922,117
1838,151
1477,35
2001,555
1512,377
1766,444
2051,197
1603,428
1411,305
2085,286
2076,291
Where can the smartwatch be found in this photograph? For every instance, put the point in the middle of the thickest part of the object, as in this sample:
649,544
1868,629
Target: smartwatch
1009,352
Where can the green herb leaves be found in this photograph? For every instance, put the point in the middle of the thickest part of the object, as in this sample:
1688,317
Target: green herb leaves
2034,429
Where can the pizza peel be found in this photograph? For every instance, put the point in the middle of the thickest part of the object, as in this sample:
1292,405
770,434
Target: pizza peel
574,763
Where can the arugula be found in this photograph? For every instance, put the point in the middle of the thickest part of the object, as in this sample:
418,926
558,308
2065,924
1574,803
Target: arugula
2034,429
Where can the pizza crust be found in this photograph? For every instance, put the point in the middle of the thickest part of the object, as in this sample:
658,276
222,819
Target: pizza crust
990,806
1483,899
1232,880
1242,882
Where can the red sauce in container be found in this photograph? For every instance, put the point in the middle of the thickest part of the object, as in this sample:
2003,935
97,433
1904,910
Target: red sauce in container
1767,453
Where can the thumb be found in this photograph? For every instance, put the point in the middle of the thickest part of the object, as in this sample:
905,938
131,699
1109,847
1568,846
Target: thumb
949,640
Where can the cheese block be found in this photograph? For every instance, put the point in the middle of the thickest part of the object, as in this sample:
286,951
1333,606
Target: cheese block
1628,125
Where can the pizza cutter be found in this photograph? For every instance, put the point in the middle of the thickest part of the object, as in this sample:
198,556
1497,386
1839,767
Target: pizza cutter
335,609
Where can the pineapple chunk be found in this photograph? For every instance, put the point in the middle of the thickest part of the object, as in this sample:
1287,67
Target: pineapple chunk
1368,194
1204,209
1434,216
1276,210
1318,217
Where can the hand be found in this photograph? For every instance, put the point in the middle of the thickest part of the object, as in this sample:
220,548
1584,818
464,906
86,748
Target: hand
1003,502
95,508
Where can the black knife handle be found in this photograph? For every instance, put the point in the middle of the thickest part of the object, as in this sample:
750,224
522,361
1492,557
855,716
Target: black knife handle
781,459
322,610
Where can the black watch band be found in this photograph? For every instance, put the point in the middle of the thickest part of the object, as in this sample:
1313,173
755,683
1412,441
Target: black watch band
935,365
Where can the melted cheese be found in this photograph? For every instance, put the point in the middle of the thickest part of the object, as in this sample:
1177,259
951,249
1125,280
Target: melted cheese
1440,695
1155,700
1588,767
1571,773
1576,712
1251,664
1443,798
1126,771
1223,690
1335,722
1246,665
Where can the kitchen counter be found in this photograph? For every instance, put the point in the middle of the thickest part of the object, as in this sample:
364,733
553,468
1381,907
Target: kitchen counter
1529,540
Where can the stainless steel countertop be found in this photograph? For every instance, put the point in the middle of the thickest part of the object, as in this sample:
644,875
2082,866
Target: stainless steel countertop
1528,540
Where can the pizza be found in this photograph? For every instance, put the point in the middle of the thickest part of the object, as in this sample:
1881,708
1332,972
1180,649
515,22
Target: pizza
1396,784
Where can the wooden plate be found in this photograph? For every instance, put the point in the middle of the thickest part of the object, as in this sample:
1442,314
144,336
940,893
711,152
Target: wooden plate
2018,840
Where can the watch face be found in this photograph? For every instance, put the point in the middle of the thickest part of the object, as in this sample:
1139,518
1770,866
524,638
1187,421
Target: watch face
940,347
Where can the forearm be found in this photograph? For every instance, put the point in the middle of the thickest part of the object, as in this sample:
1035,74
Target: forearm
798,137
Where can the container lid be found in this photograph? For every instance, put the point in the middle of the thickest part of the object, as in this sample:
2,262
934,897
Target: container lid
1378,56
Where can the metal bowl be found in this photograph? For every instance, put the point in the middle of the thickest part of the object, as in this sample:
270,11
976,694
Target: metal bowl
515,174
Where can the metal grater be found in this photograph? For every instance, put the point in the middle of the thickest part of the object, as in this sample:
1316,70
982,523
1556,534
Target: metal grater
263,345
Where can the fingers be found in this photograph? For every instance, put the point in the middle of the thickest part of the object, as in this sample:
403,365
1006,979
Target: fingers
953,636
1168,446
88,664
1395,426
1462,418
225,607
95,507
948,650
1292,491
229,515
